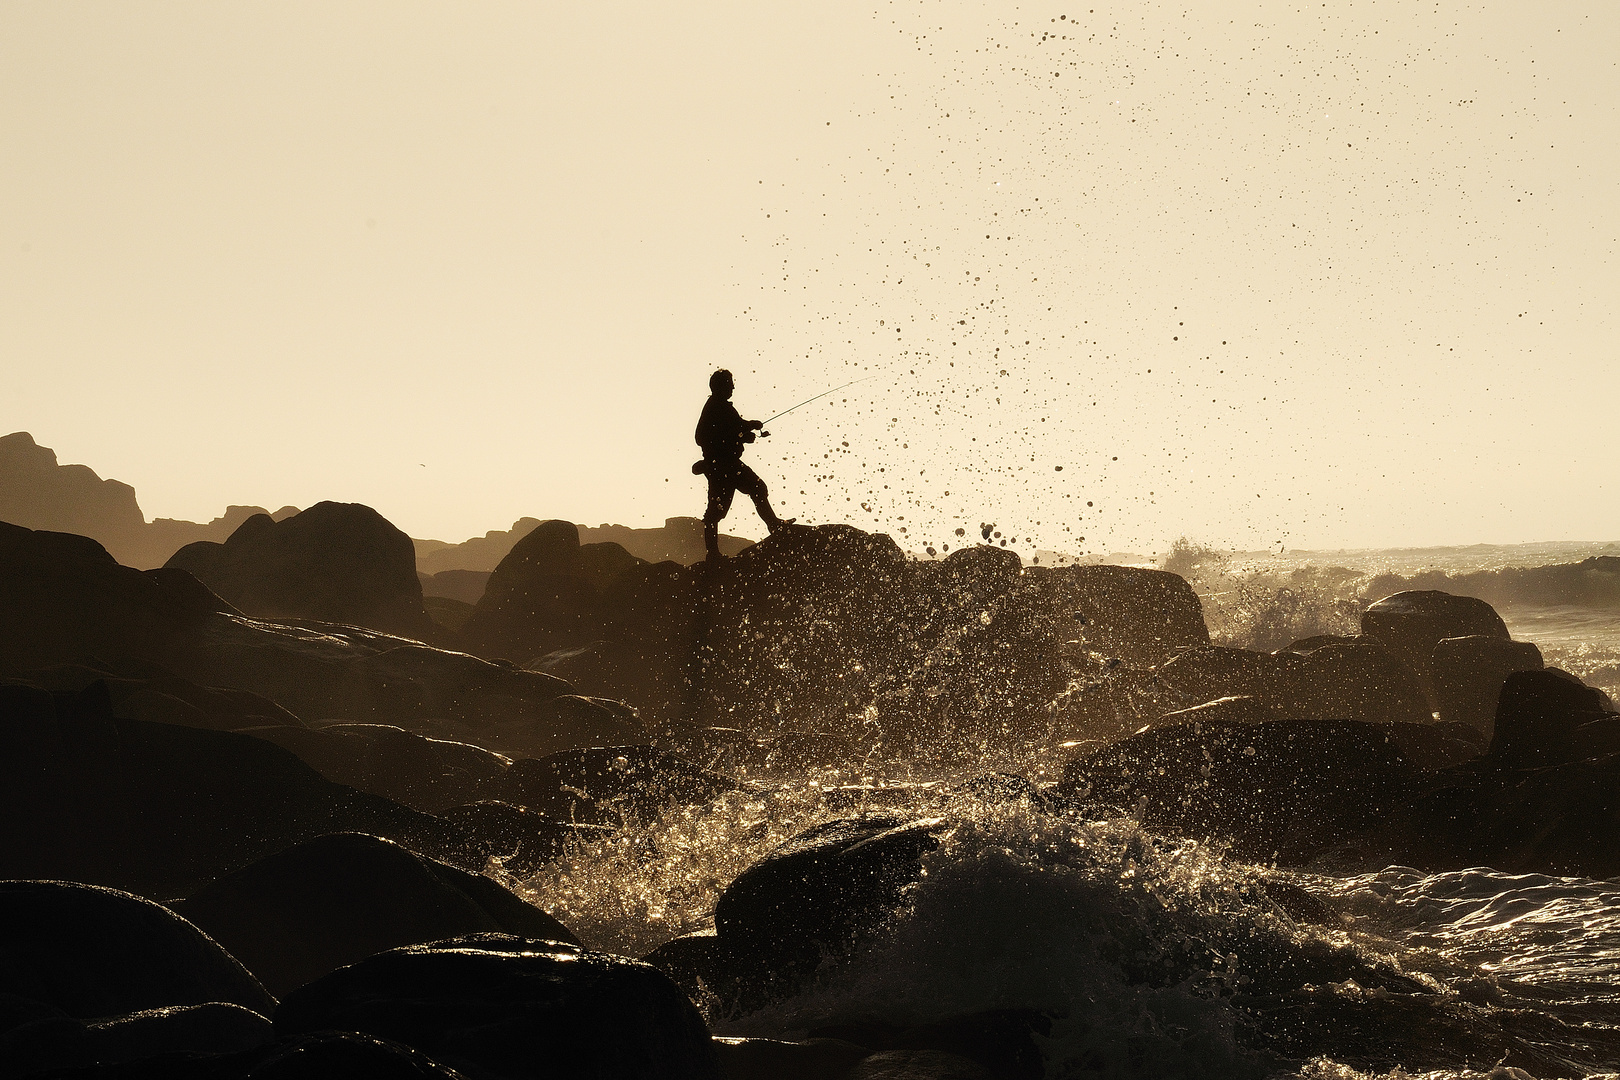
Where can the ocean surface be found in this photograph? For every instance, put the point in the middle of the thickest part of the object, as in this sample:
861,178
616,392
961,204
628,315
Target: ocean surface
1162,957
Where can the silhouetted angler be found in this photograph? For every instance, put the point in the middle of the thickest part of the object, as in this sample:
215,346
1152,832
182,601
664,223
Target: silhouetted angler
722,433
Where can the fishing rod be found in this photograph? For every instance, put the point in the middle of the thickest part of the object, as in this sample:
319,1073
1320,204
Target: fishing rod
818,397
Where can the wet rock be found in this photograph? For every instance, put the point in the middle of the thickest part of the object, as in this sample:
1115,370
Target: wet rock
210,1029
1410,624
776,1059
63,599
1360,680
546,594
1549,717
145,691
521,839
1000,1043
1284,790
1209,672
1354,680
821,891
92,952
300,913
919,1065
1554,819
1235,709
1438,746
1468,674
605,784
334,562
1141,616
413,770
160,809
504,1007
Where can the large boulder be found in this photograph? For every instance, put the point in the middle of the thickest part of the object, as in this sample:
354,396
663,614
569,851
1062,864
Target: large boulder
414,770
63,599
335,562
547,592
1469,673
1549,717
1349,680
1285,790
501,1007
1143,617
819,894
1410,624
1560,819
91,952
294,916
159,809
65,602
185,1033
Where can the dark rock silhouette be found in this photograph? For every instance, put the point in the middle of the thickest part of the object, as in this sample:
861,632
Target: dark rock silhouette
818,894
1142,617
679,540
1000,1044
503,1007
547,593
89,952
827,630
1285,790
1411,624
1592,583
188,1032
87,796
1354,680
335,562
1469,672
413,770
65,601
293,916
1552,819
1549,717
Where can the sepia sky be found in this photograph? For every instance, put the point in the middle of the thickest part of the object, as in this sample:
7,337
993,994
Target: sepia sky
1309,275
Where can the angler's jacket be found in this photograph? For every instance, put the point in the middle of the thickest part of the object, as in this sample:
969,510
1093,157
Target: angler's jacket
720,430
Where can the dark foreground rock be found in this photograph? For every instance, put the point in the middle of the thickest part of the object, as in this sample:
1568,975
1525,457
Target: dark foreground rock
413,770
300,913
160,809
1549,717
826,632
64,601
819,894
503,1007
334,562
1283,790
89,952
60,1042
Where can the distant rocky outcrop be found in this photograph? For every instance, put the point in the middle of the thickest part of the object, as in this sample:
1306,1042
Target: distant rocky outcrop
335,562
679,540
38,493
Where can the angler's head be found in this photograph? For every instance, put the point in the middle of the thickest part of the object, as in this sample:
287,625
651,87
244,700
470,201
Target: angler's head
721,384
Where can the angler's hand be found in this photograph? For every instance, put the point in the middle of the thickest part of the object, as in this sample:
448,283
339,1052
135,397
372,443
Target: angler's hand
755,424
